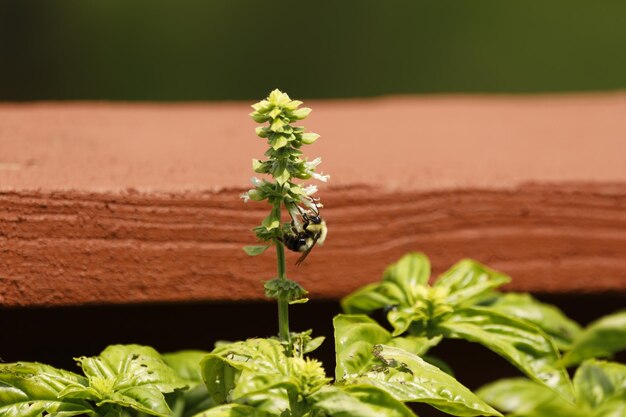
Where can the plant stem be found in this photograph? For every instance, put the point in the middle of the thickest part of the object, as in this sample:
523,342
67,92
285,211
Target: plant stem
283,303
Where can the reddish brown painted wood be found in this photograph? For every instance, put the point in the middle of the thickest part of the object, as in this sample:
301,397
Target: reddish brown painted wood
118,203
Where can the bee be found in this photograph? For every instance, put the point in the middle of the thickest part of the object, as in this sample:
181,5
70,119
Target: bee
303,240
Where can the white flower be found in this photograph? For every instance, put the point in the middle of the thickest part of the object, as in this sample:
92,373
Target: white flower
311,165
310,189
245,196
320,177
256,182
313,205
310,169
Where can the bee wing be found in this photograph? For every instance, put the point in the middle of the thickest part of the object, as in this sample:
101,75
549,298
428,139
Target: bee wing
306,252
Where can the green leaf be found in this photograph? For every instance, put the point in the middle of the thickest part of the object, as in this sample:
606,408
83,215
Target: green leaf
439,363
409,273
519,342
234,410
597,382
524,397
355,337
468,281
370,298
402,284
258,371
303,342
254,250
613,408
546,316
601,338
408,378
129,376
32,390
359,401
186,364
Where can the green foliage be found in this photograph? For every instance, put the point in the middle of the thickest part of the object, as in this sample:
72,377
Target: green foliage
600,391
359,401
124,376
600,339
285,289
452,308
33,389
547,317
355,338
367,354
257,376
186,364
255,250
519,342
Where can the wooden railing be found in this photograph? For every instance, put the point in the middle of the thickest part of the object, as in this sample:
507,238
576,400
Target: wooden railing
120,203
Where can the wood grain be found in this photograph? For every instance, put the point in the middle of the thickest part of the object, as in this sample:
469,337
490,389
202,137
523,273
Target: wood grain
70,248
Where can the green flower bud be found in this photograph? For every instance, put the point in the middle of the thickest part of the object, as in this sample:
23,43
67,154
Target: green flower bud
299,114
262,131
278,98
259,118
309,138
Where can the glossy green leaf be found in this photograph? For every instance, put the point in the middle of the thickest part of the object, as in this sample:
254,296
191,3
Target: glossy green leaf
468,281
408,378
521,343
128,376
234,410
355,337
410,272
601,338
613,408
598,382
524,397
400,285
439,363
370,298
32,390
255,250
548,317
359,401
186,364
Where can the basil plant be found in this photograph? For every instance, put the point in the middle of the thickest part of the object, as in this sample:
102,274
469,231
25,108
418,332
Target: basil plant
599,385
599,388
462,304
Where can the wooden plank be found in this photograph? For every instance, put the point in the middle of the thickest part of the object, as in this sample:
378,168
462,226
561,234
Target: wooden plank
119,203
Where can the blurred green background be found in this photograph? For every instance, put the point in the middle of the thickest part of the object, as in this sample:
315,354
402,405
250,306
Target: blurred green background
222,50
